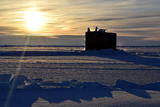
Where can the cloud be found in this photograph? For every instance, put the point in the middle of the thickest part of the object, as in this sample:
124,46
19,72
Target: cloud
8,29
136,41
72,40
126,17
42,40
106,19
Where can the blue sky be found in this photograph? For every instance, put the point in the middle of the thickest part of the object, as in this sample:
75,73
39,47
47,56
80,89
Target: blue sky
50,18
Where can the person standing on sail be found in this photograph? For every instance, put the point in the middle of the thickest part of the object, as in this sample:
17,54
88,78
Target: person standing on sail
96,29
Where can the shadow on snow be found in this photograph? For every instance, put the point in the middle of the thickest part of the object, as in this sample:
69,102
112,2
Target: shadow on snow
108,53
25,91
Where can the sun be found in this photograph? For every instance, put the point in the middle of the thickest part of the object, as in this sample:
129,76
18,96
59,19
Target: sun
34,20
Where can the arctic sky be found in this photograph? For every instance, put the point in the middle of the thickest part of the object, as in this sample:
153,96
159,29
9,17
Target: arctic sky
127,18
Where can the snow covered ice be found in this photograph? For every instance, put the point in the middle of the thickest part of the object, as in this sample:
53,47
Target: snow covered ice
68,76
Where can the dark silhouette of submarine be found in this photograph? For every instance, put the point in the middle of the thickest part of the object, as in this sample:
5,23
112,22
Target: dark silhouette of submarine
98,40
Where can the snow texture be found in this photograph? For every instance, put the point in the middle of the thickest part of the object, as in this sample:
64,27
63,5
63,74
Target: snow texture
68,76
22,82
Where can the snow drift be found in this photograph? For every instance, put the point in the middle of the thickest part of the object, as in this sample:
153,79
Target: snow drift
22,82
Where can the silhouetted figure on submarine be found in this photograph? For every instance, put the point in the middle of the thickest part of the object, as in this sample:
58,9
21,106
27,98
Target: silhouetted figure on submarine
89,30
96,29
99,39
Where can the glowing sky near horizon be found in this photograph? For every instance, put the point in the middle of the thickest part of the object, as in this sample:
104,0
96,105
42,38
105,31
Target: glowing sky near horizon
132,18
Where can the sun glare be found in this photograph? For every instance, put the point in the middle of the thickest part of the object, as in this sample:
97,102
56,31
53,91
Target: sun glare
34,20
